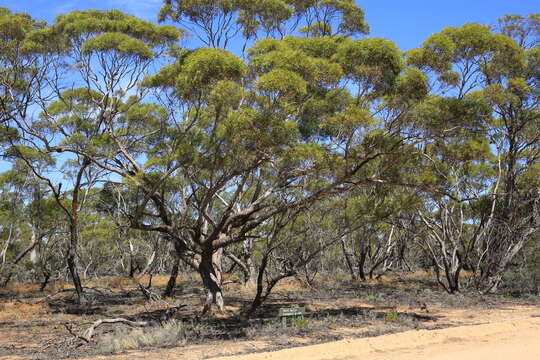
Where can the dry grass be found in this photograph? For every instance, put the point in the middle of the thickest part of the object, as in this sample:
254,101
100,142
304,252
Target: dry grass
125,282
25,288
17,310
170,334
290,284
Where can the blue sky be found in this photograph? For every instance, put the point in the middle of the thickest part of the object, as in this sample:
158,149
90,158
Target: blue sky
406,22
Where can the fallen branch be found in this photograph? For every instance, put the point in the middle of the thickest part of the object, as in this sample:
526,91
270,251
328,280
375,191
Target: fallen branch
89,333
148,294
226,282
69,328
169,313
97,290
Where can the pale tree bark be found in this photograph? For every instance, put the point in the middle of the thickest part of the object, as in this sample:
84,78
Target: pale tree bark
211,274
11,267
444,246
348,258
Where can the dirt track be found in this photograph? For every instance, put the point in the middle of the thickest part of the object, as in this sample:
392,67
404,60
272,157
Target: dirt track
516,339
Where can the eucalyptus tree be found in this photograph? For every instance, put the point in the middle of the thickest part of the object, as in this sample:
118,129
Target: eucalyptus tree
220,23
70,201
21,71
105,54
514,96
290,243
460,217
477,68
32,148
377,244
252,141
28,225
13,228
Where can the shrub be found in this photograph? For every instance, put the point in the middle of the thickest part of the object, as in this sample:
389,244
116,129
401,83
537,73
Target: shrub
392,316
299,322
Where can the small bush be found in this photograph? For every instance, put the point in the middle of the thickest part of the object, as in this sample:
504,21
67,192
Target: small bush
392,316
299,322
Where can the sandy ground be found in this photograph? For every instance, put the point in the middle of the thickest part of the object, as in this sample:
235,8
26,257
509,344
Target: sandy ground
516,339
504,334
510,333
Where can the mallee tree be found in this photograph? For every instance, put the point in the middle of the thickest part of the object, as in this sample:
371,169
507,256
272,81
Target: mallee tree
216,151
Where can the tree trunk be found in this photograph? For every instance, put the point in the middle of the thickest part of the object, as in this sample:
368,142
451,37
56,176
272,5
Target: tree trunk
131,267
169,290
45,281
452,276
73,216
20,256
361,263
348,259
250,276
258,299
211,272
452,269
72,263
261,293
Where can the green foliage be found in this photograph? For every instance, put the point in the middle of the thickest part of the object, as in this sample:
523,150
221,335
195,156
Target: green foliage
30,154
119,42
218,21
348,121
197,72
441,113
495,54
373,63
195,10
411,87
299,322
98,31
19,69
80,23
14,28
392,316
349,18
264,15
282,83
316,67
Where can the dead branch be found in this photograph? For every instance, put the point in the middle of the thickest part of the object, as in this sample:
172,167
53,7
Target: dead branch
97,290
148,294
69,328
227,282
89,333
